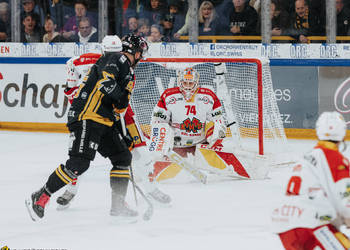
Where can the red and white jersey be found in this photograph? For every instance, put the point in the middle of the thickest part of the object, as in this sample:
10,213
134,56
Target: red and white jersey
317,191
77,68
188,118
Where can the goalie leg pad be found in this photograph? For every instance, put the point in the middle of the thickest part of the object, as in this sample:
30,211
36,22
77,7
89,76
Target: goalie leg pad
233,162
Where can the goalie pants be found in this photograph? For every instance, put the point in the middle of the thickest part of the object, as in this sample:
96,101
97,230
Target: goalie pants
87,137
323,237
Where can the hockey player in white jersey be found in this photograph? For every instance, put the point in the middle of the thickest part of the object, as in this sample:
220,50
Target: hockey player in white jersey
77,68
317,195
192,111
195,115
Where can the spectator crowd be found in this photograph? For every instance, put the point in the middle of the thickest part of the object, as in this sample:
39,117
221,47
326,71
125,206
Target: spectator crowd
168,20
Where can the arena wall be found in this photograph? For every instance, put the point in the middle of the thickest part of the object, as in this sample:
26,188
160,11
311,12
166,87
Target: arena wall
307,79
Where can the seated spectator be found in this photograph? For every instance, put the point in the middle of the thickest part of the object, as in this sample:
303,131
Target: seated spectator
51,35
256,5
304,23
5,23
208,22
239,19
143,27
177,9
153,11
30,34
279,20
168,25
156,34
87,33
71,27
131,25
343,18
130,8
29,7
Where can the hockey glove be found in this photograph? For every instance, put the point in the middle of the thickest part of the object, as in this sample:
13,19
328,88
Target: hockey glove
215,132
70,93
128,140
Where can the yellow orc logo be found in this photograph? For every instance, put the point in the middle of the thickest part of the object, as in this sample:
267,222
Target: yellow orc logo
5,248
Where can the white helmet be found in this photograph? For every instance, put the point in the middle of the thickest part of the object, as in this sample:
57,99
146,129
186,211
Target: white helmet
188,82
331,126
111,44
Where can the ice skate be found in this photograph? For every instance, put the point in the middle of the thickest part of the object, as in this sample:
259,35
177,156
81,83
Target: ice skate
159,197
36,204
121,211
64,201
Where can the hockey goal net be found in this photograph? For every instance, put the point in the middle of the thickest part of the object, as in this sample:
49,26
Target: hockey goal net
244,86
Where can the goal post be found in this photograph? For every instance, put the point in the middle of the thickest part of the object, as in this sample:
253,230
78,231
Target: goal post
243,85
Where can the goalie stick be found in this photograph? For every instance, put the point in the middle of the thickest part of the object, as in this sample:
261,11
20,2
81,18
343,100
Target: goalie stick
160,144
199,175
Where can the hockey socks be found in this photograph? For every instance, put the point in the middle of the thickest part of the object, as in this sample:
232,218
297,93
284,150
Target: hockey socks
59,178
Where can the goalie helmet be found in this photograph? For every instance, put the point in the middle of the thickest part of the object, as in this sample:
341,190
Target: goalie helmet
188,82
331,126
111,44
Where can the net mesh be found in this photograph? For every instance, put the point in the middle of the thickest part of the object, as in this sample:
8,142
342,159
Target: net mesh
252,103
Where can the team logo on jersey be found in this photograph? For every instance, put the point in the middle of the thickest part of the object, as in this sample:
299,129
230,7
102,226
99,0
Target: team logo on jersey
172,100
160,115
347,192
216,113
205,99
191,126
5,248
325,217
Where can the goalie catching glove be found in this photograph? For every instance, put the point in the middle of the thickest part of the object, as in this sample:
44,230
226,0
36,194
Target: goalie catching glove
214,131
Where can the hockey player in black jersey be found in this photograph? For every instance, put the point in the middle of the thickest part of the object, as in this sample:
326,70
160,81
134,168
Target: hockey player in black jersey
92,123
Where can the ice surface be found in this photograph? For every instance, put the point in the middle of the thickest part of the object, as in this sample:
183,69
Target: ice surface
231,214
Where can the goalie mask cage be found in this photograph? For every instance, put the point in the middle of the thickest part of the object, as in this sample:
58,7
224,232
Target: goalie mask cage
247,96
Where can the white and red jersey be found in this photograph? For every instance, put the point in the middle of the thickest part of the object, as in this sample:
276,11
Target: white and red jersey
188,118
317,191
77,68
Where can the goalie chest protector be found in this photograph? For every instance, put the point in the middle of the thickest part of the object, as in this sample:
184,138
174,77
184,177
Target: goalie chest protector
188,118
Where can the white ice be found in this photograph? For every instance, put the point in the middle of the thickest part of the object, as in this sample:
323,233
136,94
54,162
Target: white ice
231,214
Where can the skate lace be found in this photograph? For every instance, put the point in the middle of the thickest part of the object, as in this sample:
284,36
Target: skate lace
43,200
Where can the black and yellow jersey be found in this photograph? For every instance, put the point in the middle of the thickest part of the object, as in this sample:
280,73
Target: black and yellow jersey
106,89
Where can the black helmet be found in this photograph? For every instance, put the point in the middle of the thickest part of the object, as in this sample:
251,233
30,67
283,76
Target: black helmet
133,43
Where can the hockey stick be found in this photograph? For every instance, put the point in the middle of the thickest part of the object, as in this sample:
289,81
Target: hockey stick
149,211
122,121
199,175
133,181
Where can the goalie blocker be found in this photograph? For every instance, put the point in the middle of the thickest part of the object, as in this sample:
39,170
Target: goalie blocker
222,159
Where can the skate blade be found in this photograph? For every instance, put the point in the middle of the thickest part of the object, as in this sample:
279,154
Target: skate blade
122,220
31,212
62,207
